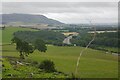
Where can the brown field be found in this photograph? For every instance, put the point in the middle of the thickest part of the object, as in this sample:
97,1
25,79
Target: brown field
70,33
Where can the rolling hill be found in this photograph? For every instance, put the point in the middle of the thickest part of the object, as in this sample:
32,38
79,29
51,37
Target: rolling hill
28,18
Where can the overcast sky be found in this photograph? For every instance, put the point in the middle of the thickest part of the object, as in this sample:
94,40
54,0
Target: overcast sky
67,12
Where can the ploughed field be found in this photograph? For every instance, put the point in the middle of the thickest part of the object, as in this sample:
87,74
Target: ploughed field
93,63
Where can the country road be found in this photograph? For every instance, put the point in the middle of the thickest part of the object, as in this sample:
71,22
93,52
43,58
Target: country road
67,40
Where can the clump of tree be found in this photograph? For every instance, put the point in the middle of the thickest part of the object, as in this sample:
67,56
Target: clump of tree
40,45
49,37
25,48
47,65
81,40
107,39
110,39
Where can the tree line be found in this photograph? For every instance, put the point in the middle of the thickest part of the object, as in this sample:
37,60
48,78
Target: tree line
108,39
49,37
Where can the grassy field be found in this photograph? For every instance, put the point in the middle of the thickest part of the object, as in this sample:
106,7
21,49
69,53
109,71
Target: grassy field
93,63
112,49
7,33
0,36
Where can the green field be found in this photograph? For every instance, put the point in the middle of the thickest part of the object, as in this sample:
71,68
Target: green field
0,36
7,33
93,63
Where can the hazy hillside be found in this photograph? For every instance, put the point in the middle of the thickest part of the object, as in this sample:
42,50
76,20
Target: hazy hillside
28,18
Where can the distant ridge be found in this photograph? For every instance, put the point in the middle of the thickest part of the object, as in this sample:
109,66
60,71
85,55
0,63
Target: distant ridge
28,18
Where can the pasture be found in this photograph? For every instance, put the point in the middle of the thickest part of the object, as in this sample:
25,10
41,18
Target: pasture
7,33
93,63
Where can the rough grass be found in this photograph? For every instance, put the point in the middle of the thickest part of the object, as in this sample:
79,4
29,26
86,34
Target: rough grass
23,71
0,36
112,49
93,64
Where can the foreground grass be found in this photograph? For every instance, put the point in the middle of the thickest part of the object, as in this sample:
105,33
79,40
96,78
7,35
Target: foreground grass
0,36
93,63
24,71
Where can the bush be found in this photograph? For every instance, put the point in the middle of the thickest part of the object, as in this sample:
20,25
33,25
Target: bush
47,65
34,63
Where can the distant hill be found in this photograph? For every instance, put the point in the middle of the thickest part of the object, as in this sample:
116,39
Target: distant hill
28,18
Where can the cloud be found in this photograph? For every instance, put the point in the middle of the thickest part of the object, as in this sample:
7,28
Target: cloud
59,1
68,12
83,18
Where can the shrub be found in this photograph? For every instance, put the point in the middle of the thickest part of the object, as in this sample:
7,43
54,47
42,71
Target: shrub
34,62
3,65
47,65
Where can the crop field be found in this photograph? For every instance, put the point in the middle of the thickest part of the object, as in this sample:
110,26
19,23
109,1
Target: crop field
69,33
93,63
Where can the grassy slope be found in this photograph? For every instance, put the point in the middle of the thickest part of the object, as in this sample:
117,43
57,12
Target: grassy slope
93,63
23,71
112,49
0,50
0,35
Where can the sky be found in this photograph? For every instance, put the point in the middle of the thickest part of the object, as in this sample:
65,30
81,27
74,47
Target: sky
67,12
59,0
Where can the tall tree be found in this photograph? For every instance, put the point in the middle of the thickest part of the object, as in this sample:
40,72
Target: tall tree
40,45
23,47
